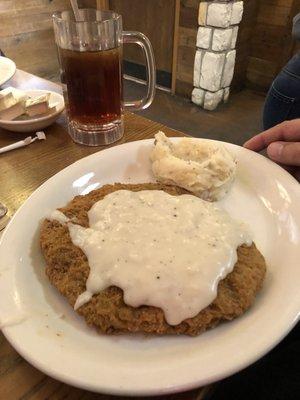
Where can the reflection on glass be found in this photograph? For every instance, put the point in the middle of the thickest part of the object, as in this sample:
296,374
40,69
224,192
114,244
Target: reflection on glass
267,204
283,193
89,188
293,230
285,220
83,180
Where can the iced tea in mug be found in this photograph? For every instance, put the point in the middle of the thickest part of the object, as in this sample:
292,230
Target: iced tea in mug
90,55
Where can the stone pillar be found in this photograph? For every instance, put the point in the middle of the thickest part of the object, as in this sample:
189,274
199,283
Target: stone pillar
215,55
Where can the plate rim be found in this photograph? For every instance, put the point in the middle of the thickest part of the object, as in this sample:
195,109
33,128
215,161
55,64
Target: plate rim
14,67
163,390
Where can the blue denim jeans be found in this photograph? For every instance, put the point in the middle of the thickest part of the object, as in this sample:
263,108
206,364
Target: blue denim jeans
283,99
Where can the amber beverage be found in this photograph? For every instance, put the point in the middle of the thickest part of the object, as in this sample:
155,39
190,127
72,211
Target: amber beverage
90,51
93,82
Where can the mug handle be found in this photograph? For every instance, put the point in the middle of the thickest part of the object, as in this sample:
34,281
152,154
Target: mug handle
142,40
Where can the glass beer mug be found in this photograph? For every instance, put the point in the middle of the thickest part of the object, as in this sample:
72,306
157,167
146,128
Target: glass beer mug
90,56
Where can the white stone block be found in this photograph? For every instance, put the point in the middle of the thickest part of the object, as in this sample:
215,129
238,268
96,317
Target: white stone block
197,67
198,96
212,100
234,37
219,14
211,71
237,12
202,13
204,37
229,68
222,39
226,94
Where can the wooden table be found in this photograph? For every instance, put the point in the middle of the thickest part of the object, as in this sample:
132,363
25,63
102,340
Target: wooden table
22,171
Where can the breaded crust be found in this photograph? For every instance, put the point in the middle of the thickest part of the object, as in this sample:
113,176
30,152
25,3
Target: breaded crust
68,269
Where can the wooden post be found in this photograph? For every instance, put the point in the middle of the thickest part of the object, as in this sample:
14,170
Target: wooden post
175,46
103,4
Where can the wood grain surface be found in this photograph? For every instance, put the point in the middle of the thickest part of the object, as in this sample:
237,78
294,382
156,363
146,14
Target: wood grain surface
22,171
26,34
271,41
187,33
155,19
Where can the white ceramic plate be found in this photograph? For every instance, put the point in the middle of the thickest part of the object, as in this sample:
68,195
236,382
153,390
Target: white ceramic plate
44,329
36,123
7,69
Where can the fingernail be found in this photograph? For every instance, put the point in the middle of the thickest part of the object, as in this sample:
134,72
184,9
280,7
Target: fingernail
275,150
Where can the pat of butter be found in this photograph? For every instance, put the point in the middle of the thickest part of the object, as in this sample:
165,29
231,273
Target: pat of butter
12,103
38,105
6,100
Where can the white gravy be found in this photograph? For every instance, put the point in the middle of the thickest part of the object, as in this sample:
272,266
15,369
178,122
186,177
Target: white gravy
161,250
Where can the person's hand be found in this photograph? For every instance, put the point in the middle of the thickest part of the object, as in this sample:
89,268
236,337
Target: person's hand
282,143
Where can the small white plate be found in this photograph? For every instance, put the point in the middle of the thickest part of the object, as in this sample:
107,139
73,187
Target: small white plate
7,69
45,330
37,123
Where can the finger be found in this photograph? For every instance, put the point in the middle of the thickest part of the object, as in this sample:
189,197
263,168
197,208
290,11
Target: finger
288,131
285,153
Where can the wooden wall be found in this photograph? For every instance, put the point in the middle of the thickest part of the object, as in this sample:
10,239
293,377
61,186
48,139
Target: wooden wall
243,47
264,43
26,34
187,35
154,18
272,45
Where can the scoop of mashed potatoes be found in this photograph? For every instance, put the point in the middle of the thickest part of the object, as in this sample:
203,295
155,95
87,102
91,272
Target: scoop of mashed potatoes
204,168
